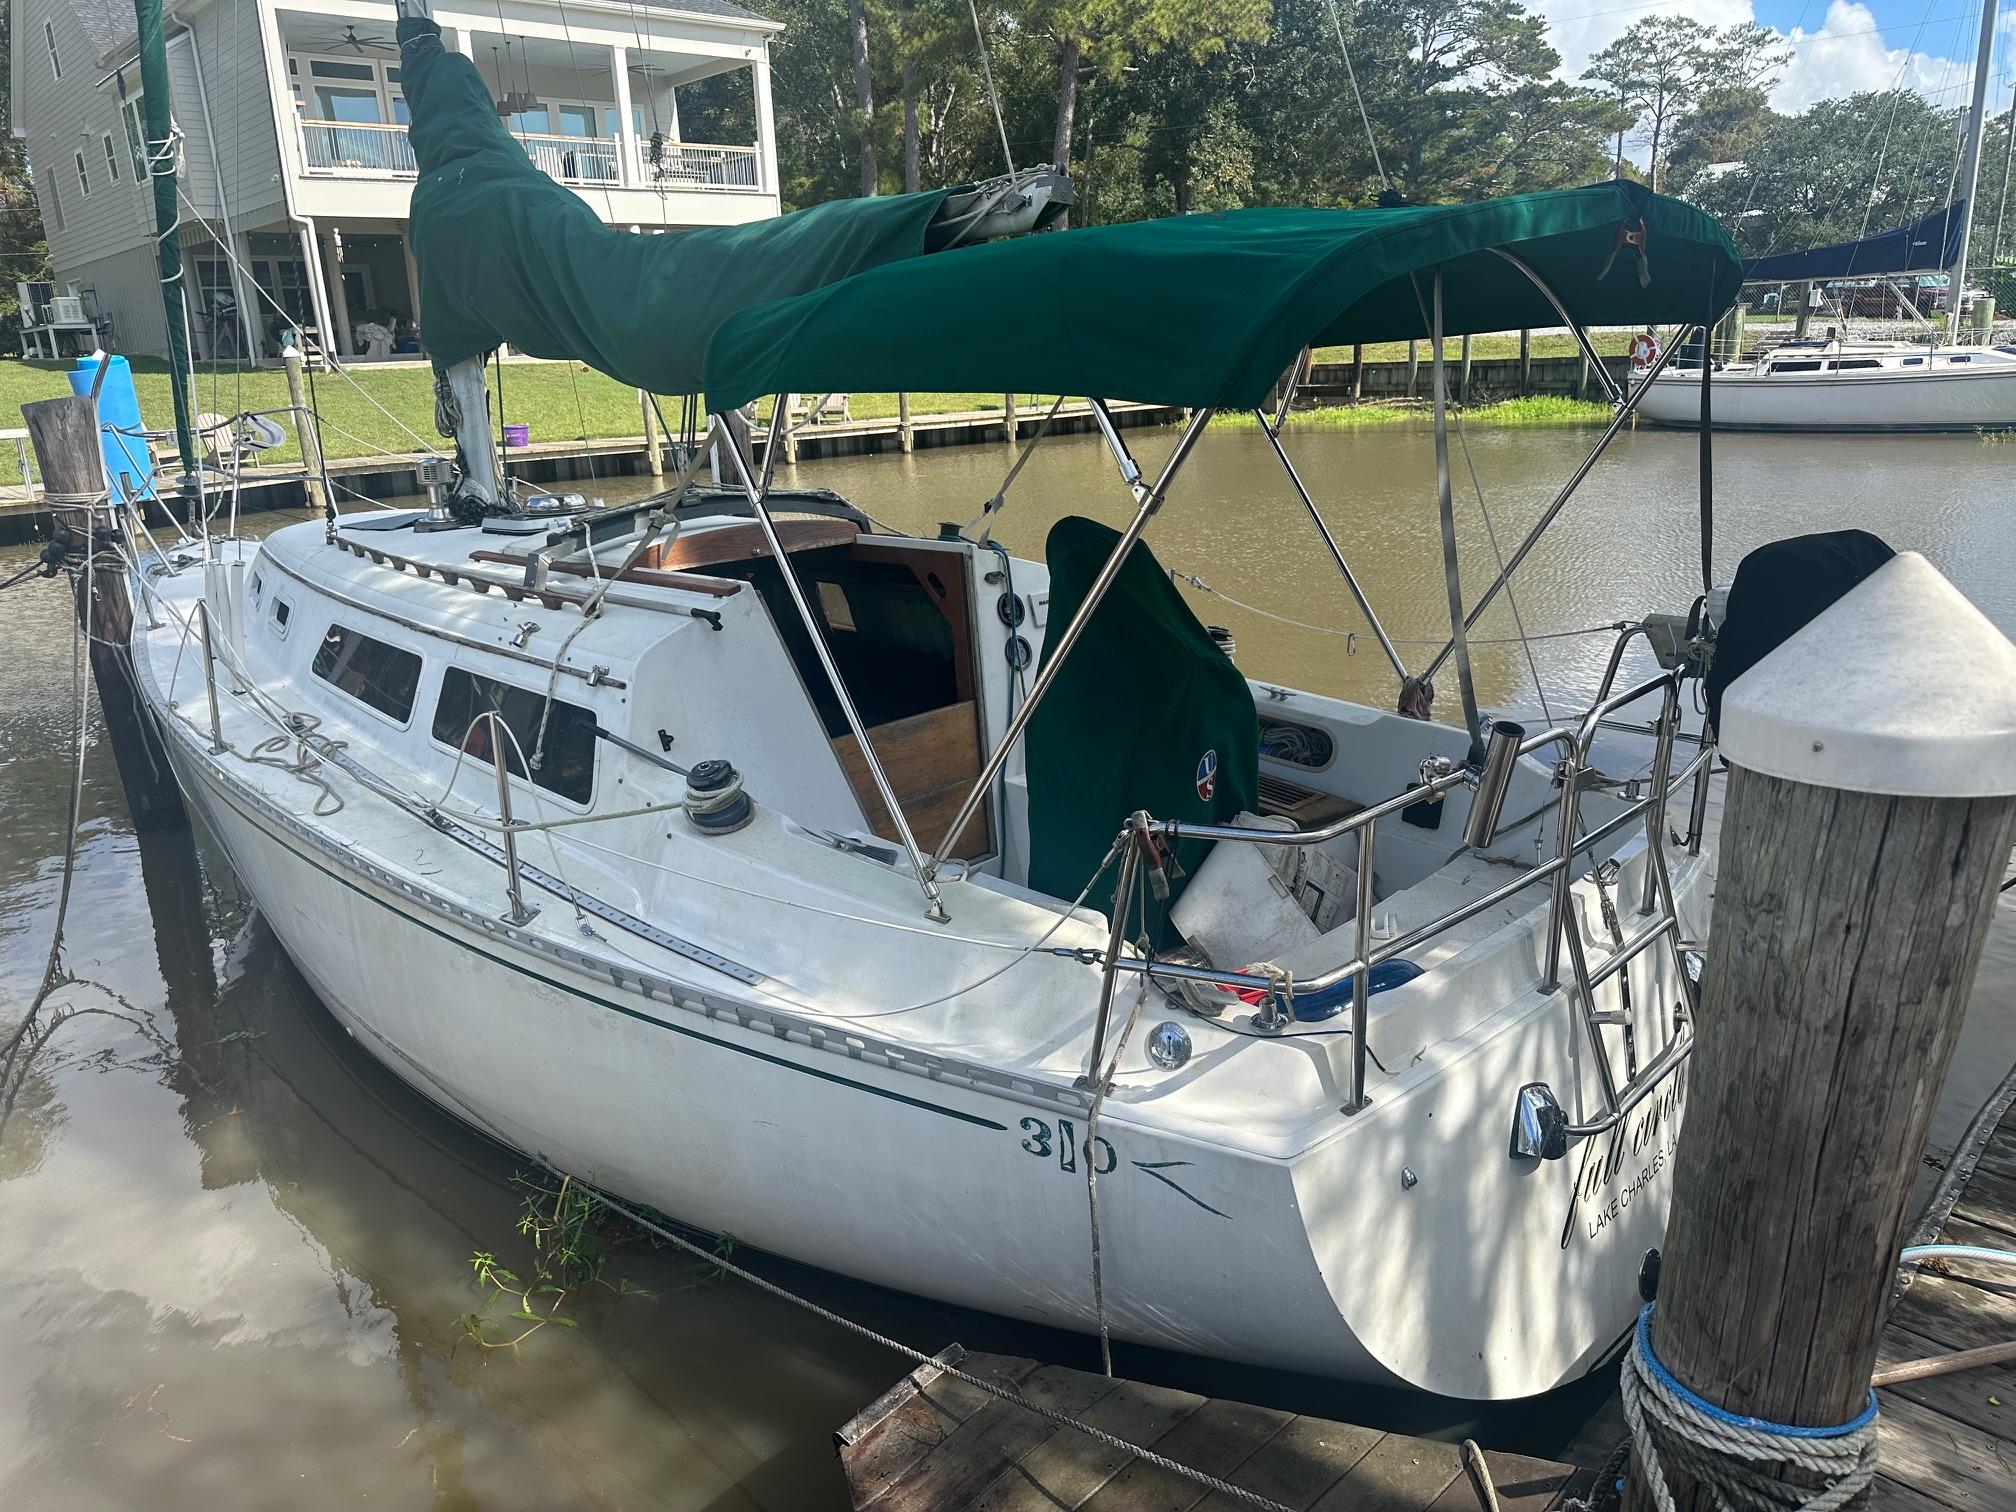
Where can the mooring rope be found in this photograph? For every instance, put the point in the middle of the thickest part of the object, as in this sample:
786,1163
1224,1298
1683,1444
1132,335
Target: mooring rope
917,1356
1739,1460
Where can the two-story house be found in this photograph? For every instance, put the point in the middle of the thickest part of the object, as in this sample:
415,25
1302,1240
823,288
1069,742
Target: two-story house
294,156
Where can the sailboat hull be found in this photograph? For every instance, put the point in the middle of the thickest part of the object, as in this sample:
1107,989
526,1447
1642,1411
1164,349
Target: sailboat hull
1362,1258
1878,401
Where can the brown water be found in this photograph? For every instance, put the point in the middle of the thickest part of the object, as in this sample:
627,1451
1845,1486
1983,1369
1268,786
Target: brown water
234,1249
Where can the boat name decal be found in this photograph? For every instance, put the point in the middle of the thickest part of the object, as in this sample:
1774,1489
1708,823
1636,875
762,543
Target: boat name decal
1615,1171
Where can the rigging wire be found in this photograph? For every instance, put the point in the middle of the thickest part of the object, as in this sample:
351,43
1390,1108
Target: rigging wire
987,72
1337,25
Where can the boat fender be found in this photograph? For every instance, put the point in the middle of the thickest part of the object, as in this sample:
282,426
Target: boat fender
715,803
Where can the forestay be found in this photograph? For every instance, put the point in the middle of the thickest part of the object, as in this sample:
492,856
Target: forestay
506,254
1209,310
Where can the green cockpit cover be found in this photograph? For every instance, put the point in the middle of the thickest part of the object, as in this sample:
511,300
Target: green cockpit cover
1210,309
1146,713
507,254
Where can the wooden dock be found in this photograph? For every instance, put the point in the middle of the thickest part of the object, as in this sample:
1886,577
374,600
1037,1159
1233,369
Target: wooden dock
1948,1443
934,1441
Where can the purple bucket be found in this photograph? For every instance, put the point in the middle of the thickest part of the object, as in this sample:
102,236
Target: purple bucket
517,435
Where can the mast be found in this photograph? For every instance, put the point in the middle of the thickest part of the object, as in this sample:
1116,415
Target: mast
161,154
1970,164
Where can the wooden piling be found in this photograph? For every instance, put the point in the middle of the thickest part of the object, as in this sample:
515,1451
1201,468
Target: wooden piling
654,446
1008,408
1413,367
316,485
1862,844
1463,383
1525,362
64,433
1357,374
906,435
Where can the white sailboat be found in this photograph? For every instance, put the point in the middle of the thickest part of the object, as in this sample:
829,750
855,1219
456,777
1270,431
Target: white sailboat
1872,387
938,917
1844,385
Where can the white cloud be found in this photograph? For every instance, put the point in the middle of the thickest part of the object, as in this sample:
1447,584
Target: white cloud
1845,55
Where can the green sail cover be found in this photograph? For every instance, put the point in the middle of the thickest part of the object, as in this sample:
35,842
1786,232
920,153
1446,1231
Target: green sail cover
1146,712
507,254
1211,309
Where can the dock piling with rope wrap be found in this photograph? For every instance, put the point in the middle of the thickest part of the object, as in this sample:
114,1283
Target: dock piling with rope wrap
1863,843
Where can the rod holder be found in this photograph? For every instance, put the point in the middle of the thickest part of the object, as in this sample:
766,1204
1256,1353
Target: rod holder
1494,780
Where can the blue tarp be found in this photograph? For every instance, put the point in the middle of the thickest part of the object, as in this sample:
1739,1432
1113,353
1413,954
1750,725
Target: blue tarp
1925,246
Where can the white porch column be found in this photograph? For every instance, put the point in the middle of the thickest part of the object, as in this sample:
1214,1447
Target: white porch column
339,302
457,40
256,310
412,269
630,170
766,127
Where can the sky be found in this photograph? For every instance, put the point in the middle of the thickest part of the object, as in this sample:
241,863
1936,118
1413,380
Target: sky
1839,47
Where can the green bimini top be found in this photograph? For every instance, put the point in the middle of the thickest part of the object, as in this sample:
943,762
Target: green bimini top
1211,309
507,254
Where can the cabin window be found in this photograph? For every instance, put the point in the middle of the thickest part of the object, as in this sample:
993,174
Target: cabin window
380,676
83,177
1795,367
567,765
55,58
282,612
1856,362
1960,359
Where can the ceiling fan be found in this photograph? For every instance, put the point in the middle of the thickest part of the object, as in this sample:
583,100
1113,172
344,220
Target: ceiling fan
355,43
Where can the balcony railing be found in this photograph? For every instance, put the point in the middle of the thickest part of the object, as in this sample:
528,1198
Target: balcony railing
346,148
364,150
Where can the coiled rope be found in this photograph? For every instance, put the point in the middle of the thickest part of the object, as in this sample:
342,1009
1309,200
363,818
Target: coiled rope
1739,1461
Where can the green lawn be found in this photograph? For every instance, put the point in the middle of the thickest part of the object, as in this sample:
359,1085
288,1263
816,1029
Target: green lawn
373,409
1537,412
1498,344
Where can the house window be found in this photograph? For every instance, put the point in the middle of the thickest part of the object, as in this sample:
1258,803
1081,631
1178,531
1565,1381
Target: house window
83,177
136,134
55,59
111,159
567,766
378,675
51,199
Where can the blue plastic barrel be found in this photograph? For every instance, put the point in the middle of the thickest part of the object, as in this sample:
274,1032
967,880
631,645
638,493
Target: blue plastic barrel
119,425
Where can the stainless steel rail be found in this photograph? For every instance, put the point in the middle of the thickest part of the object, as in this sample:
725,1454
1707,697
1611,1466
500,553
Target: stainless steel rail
1574,776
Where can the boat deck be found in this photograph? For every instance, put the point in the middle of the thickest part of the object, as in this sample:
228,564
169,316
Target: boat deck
933,1441
1948,1444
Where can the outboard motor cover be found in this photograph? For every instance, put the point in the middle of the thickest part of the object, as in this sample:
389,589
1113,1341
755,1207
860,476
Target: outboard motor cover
1778,590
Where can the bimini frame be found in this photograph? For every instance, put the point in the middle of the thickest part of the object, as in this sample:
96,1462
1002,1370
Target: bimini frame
1573,744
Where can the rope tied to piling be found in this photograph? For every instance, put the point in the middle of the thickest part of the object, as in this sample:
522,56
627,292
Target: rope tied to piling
1740,1461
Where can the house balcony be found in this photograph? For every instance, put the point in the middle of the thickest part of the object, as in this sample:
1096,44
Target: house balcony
338,149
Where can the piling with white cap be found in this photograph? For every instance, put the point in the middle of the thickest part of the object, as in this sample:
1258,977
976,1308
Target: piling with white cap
1871,809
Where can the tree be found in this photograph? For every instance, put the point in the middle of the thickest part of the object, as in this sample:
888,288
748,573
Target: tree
1725,126
1838,171
1662,67
24,253
864,93
1108,36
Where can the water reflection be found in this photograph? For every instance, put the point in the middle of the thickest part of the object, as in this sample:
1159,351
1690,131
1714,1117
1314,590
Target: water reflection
237,1247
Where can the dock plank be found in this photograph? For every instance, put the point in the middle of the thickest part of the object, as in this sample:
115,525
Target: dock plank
1400,1474
1948,1443
1216,1439
1065,1469
1296,1466
1958,1466
975,1453
913,1450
